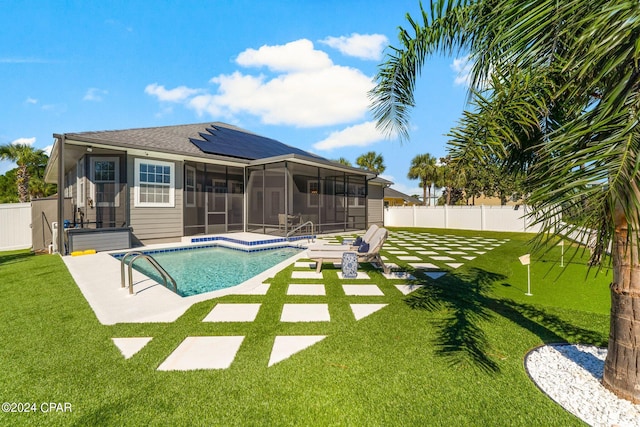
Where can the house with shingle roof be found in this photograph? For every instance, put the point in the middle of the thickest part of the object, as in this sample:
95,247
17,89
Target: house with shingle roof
164,183
393,197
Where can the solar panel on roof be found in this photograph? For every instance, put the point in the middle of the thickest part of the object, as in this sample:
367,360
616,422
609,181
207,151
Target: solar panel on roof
234,143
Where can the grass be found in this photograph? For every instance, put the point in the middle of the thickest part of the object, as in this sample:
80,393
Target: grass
449,353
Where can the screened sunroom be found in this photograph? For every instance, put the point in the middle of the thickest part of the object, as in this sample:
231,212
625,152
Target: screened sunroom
291,195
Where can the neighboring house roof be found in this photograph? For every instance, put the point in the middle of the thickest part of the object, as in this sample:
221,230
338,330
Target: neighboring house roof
395,194
381,181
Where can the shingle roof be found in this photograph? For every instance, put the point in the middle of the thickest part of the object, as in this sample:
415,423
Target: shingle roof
391,192
199,140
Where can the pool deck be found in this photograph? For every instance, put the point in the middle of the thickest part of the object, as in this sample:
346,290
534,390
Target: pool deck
98,277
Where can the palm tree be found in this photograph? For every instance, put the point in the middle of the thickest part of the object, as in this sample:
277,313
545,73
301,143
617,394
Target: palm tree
371,161
423,167
343,161
555,88
25,156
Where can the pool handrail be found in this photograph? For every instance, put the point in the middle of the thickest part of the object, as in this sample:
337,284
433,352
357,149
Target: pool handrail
303,225
137,255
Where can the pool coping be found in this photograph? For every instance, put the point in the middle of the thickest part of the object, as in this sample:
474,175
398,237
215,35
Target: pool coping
98,278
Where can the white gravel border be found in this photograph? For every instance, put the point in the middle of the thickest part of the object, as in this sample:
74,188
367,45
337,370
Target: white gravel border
571,375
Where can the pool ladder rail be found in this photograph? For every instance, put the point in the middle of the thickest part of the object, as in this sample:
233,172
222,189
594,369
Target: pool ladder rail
309,238
166,277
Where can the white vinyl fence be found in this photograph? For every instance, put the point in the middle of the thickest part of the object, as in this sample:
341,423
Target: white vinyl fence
484,218
15,226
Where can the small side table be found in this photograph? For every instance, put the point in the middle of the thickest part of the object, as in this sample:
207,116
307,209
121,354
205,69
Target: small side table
349,265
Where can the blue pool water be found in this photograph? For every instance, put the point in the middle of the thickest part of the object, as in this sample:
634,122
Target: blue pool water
201,270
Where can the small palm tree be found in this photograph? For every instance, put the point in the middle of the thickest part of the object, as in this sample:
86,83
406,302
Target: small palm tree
423,167
25,156
371,161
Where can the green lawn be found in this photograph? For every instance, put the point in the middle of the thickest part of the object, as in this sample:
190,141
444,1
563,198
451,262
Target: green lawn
450,353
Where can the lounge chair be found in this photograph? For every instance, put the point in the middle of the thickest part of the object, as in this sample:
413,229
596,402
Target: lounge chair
366,238
372,255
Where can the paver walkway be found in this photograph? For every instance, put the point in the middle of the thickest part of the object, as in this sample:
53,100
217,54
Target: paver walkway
433,256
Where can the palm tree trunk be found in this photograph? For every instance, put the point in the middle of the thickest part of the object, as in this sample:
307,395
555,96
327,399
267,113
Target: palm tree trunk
424,193
22,180
621,373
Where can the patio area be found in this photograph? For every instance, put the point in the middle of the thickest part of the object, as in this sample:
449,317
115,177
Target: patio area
98,277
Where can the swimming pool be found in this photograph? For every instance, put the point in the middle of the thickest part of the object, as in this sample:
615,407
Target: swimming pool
212,268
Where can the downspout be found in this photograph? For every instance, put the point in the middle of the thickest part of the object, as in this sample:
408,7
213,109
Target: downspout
62,141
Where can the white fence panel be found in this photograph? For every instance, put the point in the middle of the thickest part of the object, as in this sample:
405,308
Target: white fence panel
483,218
15,226
496,218
464,217
428,217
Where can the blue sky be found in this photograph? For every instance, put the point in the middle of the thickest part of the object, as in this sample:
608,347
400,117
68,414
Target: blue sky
295,71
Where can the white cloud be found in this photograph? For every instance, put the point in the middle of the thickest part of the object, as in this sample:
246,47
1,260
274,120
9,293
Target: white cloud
30,100
48,149
178,94
298,55
305,89
363,46
314,98
462,68
24,141
360,135
94,94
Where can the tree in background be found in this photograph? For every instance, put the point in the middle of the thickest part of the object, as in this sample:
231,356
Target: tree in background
8,189
477,181
506,186
452,176
555,90
423,167
28,177
371,161
490,179
25,157
343,161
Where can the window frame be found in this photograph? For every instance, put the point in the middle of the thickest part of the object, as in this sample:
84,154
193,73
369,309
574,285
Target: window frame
355,192
171,185
190,190
116,182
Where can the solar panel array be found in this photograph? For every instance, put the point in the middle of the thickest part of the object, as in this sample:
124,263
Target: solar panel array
234,143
